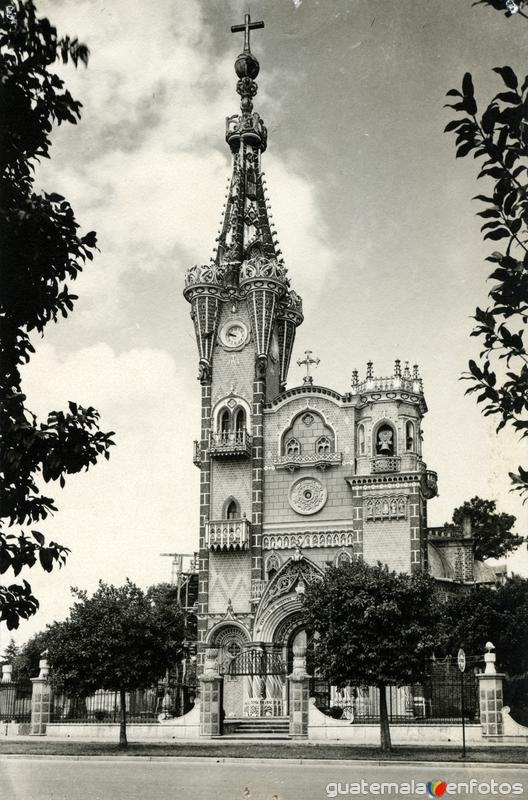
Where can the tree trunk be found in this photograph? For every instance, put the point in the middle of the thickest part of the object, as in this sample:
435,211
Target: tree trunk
385,737
122,719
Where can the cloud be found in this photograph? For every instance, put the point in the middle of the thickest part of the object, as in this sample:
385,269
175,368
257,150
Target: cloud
147,166
121,514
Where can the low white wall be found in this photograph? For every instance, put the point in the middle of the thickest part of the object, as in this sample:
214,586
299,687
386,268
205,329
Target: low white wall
512,728
186,727
323,728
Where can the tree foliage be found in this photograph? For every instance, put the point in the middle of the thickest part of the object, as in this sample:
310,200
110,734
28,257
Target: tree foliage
119,639
42,250
375,628
26,661
499,615
498,136
493,535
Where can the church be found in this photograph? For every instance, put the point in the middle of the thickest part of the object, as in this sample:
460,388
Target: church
291,479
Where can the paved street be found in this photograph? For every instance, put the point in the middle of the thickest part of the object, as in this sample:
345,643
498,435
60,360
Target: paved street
196,779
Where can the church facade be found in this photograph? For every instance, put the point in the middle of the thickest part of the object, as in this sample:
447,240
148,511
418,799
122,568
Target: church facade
291,479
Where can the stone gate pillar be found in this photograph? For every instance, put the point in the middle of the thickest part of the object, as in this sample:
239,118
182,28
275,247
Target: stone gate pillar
211,686
40,700
299,693
7,691
490,696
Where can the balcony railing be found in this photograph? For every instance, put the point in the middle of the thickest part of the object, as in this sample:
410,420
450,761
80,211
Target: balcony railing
319,460
385,464
257,590
227,534
225,444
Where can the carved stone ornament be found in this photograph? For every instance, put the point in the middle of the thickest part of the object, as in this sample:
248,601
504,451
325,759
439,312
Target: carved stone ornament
307,496
261,267
205,273
204,372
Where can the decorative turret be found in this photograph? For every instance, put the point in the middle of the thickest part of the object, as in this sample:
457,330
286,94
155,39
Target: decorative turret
204,290
247,261
289,317
399,380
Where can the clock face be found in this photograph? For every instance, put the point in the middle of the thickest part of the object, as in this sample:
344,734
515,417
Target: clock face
234,335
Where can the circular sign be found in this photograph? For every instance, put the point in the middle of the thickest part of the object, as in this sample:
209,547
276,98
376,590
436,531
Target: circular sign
461,660
307,496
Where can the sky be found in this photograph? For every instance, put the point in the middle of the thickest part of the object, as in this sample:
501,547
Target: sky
374,216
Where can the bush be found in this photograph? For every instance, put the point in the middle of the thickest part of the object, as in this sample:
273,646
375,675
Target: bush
102,716
336,712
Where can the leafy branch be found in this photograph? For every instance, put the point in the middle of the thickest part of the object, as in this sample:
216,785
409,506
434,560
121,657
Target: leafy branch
499,137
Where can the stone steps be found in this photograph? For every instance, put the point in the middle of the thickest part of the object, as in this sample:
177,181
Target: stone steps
257,728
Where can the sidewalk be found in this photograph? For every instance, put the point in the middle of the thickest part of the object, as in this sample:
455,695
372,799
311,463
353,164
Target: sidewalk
219,750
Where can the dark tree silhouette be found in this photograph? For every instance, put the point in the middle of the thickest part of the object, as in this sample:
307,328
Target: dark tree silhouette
41,250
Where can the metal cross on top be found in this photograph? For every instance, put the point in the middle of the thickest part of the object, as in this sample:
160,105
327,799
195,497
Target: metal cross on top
308,361
246,28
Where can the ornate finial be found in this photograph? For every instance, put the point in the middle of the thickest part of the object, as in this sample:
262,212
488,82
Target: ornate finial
355,377
246,28
370,372
397,368
246,66
297,556
308,361
406,371
416,374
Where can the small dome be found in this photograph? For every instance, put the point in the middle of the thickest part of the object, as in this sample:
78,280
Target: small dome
247,66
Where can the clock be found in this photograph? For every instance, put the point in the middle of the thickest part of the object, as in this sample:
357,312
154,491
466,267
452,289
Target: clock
234,335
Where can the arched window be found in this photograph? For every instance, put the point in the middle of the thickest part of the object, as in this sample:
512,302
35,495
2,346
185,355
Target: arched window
272,566
323,445
385,441
233,510
361,440
224,421
343,557
293,447
409,436
240,420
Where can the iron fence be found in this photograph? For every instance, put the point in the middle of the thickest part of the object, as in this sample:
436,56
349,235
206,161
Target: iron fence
142,705
15,701
436,700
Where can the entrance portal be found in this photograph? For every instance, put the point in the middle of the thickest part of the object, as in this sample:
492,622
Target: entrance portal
255,684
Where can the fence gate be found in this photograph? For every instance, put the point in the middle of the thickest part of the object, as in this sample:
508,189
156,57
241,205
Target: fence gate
255,685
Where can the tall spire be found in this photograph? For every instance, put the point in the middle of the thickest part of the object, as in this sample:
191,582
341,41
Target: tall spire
247,261
246,231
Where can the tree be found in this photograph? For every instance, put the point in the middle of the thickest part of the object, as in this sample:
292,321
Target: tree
120,639
11,652
375,628
26,661
499,615
498,136
493,535
41,251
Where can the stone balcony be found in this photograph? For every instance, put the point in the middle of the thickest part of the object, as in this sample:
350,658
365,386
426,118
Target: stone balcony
319,460
227,534
385,464
230,444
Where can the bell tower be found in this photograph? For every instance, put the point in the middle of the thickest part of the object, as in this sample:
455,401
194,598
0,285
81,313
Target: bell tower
245,317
